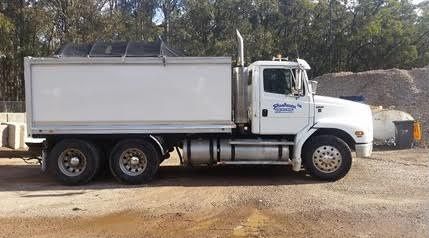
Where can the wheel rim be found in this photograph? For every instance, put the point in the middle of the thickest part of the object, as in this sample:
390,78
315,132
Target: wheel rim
133,162
327,159
72,162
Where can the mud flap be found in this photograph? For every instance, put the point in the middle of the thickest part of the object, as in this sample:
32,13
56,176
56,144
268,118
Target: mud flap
44,161
296,164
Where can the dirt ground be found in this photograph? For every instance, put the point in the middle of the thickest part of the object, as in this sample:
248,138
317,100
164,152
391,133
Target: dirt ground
384,196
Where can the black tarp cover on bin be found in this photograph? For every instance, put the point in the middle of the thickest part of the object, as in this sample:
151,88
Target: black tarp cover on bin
118,49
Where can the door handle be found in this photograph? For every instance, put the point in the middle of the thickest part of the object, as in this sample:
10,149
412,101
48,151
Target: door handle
264,112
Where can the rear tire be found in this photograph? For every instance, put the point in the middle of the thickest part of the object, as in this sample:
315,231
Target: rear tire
74,162
134,161
327,157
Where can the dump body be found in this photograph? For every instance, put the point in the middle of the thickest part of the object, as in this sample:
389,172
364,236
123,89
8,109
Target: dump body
128,95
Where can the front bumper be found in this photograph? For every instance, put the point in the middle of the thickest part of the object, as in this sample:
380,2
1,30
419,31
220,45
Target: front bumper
363,150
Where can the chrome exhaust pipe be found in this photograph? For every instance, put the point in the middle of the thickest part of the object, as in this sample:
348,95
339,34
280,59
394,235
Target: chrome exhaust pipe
240,59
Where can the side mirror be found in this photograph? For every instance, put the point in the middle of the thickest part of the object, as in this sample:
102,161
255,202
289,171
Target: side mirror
313,85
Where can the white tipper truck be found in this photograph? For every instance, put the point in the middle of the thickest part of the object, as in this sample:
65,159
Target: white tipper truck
129,113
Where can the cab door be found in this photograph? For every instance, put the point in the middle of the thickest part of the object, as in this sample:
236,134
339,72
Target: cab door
282,109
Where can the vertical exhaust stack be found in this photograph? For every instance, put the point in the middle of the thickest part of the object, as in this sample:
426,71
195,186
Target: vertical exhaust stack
240,79
240,59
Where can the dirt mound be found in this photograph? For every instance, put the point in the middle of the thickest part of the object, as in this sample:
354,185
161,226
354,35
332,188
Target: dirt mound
406,90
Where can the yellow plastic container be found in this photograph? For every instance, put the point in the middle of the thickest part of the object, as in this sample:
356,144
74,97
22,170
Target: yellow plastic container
417,131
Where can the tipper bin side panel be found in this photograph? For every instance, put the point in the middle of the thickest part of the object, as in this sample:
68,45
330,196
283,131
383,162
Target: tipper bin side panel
130,94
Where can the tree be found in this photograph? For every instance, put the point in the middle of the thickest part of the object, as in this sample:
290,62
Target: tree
168,8
422,35
333,35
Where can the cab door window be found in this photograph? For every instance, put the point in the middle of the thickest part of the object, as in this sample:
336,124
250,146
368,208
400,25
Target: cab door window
278,81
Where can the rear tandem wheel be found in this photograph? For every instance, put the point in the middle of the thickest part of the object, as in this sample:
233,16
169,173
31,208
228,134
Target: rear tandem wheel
74,161
134,161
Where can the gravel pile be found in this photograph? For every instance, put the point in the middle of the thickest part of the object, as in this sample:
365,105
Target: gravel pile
405,90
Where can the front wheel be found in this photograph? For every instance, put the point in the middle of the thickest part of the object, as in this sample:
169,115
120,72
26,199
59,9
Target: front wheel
327,157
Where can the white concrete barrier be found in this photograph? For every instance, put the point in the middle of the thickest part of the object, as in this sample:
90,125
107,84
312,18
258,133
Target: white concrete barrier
12,117
3,117
13,133
3,135
16,135
13,130
16,117
22,136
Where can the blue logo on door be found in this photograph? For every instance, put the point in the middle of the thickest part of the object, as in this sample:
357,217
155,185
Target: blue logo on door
286,107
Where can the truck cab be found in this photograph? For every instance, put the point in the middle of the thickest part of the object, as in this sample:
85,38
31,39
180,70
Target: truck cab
283,101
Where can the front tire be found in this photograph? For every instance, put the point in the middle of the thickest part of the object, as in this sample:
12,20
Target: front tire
74,162
134,161
327,157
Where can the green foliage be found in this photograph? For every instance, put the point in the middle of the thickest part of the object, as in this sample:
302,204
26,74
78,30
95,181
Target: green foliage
333,35
6,29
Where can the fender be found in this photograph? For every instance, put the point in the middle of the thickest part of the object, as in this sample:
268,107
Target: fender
158,142
348,126
300,139
344,115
